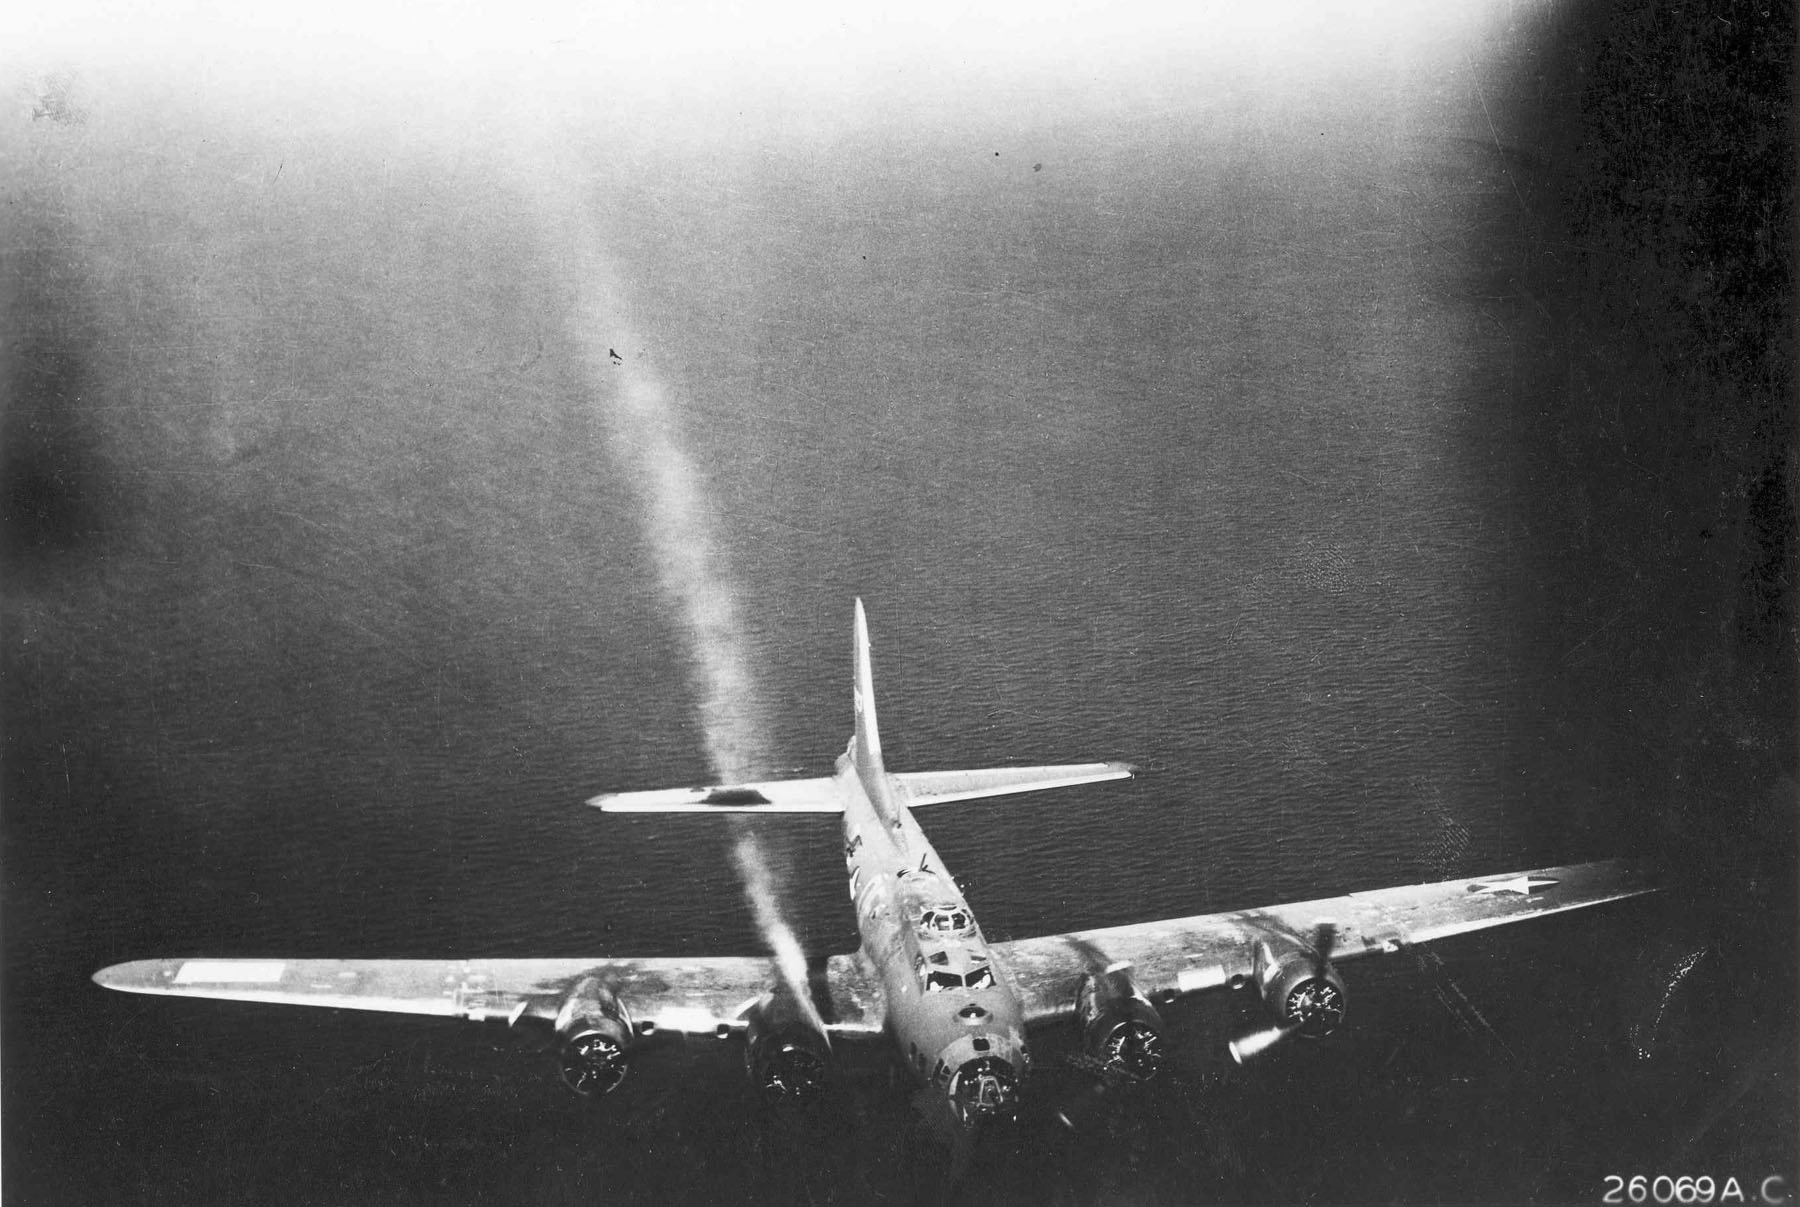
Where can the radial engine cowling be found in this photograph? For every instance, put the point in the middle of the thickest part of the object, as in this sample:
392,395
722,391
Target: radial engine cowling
595,1039
1303,990
787,1053
1119,1026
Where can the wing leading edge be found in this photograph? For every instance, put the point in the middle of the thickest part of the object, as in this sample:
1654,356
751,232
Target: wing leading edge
1182,956
710,995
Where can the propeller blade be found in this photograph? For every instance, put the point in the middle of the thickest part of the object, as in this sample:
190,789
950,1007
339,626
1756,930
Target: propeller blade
1325,933
1087,1100
1248,1047
1081,1108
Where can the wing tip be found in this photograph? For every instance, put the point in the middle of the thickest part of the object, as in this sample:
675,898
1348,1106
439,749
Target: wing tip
655,800
133,976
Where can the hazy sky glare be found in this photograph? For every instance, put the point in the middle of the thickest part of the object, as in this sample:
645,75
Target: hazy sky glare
692,55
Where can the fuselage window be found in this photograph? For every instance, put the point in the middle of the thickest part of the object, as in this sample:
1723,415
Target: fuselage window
938,982
981,978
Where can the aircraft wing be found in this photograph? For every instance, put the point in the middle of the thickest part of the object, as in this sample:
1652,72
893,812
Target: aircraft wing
693,996
1189,955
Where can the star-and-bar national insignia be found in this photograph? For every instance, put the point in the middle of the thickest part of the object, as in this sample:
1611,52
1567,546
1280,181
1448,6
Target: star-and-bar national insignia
1524,886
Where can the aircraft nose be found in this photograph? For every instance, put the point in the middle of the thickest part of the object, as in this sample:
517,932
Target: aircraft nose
984,1088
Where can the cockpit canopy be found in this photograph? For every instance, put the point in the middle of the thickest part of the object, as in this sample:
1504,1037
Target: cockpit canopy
938,980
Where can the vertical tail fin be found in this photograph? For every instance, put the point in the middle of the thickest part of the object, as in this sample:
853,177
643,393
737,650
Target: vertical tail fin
865,746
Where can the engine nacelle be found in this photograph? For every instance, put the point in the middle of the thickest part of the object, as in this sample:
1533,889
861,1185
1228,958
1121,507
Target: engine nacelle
787,1052
1304,992
1119,1026
595,1039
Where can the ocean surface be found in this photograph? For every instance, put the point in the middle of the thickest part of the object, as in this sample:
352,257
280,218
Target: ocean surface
374,500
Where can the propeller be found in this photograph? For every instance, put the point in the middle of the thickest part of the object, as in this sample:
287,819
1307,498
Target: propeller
1325,932
941,1124
1315,1007
592,1063
1096,1085
1246,1048
1136,1050
1122,1041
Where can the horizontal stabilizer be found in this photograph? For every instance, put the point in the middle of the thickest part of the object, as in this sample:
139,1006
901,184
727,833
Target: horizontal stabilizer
941,787
772,796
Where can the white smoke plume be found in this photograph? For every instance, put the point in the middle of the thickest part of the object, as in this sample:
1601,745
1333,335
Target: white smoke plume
691,570
765,900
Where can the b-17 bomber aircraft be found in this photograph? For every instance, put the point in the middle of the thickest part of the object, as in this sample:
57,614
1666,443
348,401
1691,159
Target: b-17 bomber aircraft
958,1008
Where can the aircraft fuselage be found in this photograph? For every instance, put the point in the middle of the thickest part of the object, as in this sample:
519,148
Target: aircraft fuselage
951,1008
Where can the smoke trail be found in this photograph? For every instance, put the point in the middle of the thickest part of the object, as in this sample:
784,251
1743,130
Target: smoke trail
765,900
691,571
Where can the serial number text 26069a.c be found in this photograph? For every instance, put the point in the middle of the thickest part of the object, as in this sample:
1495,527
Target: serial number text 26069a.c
1664,1188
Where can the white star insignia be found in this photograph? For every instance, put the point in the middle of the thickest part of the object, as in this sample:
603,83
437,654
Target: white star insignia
1524,886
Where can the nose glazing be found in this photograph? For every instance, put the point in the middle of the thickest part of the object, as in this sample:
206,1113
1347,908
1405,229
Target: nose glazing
984,1088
